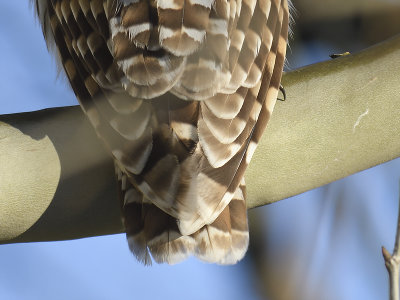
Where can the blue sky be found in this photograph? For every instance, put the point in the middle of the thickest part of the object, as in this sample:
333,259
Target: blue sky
103,268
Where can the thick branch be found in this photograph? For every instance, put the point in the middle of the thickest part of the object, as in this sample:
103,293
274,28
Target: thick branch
340,117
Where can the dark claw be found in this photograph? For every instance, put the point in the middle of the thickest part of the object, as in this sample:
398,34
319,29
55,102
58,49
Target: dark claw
282,89
339,55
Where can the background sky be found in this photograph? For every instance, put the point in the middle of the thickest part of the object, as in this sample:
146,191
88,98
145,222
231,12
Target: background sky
325,243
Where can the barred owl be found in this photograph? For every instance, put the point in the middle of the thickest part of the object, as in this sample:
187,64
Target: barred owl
180,92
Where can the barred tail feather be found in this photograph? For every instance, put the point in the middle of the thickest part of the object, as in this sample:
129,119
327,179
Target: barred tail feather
151,233
154,235
225,241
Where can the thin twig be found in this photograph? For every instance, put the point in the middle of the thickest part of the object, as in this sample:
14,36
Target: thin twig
392,263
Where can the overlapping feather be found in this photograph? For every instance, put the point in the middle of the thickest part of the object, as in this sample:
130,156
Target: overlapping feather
180,91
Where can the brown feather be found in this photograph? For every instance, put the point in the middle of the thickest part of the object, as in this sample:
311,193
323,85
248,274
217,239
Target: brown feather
180,92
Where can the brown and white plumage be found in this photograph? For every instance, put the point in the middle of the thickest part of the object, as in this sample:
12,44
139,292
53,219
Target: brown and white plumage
180,92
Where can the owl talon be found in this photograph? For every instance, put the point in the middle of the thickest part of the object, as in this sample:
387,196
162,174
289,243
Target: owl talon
337,55
282,89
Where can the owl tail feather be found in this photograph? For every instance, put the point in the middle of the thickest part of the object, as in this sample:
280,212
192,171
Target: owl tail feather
225,241
154,235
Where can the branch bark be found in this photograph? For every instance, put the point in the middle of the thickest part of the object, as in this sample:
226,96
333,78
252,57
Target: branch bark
340,117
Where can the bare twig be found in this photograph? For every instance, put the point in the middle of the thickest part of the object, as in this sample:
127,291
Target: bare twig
392,263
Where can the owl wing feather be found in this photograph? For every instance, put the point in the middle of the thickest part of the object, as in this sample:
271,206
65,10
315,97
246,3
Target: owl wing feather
180,92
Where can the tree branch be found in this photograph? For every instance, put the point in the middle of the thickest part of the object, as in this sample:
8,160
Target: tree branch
340,117
392,262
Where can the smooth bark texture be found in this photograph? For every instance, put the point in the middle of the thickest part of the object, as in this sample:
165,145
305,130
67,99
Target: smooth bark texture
340,117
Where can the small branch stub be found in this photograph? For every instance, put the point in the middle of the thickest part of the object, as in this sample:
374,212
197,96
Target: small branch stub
392,263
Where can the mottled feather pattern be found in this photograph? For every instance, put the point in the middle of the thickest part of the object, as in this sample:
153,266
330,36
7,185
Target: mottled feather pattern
180,92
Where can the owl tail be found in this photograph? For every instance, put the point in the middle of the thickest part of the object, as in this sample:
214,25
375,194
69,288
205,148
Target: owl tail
225,240
153,234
